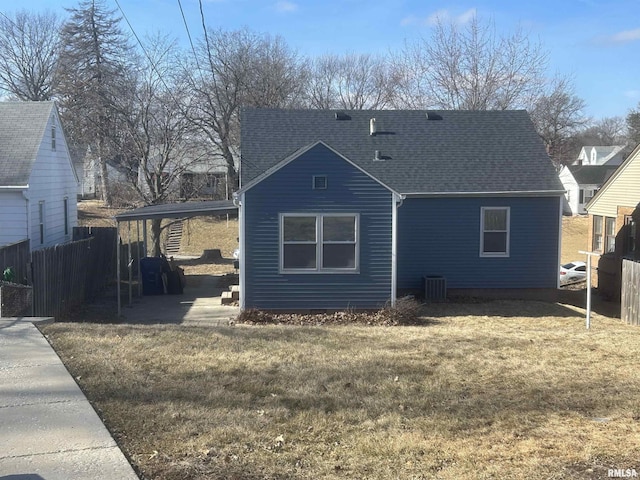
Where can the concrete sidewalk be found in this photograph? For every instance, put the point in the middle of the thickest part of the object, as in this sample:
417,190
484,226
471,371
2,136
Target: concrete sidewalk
48,429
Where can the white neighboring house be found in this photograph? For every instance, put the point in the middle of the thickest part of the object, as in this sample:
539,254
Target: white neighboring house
581,183
610,155
38,184
584,177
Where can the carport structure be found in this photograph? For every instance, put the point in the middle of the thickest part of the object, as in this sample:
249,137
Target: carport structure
151,212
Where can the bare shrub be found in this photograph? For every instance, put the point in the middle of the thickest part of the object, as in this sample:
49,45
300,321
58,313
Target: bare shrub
254,315
406,311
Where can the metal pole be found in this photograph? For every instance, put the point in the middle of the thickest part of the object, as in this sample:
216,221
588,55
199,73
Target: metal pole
589,255
118,266
144,237
129,264
588,292
138,257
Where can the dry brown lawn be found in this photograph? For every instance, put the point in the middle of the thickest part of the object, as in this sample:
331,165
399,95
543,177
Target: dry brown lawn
509,390
574,238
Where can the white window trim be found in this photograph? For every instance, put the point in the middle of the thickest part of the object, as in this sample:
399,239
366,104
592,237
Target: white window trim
482,232
319,243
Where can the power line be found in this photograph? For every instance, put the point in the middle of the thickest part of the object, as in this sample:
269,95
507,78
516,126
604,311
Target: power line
153,65
186,26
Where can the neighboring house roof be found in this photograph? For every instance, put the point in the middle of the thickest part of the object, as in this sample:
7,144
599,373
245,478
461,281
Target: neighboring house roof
604,153
591,174
621,188
431,152
22,127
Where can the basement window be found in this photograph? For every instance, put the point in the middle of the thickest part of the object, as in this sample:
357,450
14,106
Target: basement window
319,182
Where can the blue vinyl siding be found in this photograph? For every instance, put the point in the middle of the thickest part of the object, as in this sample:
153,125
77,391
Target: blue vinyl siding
441,236
289,190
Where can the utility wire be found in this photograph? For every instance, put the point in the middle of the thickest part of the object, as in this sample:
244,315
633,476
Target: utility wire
186,26
153,65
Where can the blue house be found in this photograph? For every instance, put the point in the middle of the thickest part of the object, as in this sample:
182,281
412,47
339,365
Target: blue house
349,209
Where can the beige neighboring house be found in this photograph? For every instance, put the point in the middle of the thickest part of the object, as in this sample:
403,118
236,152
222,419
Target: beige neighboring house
613,230
38,184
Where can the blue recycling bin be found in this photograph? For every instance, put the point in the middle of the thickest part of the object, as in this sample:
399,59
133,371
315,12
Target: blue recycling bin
151,271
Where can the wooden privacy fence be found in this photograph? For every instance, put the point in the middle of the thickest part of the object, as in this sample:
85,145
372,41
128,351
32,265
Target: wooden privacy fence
16,256
630,296
66,275
102,258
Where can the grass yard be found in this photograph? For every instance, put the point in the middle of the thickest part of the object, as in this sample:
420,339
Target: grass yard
575,232
508,390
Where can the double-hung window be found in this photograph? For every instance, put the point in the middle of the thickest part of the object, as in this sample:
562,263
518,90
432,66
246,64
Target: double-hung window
610,232
494,231
319,243
631,235
597,233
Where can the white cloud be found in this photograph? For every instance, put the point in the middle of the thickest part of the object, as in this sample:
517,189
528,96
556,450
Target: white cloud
285,6
442,15
626,36
466,17
438,16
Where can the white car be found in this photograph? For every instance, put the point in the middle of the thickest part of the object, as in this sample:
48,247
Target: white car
573,272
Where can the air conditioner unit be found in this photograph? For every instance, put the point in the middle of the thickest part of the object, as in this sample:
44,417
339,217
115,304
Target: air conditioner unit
435,288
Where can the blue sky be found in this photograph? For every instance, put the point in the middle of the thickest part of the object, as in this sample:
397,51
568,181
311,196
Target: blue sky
597,42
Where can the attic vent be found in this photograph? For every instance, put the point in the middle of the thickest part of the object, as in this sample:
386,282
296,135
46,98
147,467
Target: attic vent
433,116
342,116
319,182
377,156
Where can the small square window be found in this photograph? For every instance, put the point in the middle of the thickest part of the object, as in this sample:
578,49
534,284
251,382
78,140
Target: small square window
319,182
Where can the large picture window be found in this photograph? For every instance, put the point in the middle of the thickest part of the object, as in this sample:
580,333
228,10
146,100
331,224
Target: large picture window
319,243
494,232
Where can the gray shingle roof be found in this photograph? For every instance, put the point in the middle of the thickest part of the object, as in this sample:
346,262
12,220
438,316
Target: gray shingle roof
22,126
591,174
463,152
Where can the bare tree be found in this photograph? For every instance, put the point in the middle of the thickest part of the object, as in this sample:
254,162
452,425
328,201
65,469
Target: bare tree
557,115
610,130
470,68
633,126
93,73
351,82
29,48
233,69
157,141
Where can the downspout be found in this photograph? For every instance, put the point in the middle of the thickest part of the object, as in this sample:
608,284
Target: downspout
559,262
397,202
238,201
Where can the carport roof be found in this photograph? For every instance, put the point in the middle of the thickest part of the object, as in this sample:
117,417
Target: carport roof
179,210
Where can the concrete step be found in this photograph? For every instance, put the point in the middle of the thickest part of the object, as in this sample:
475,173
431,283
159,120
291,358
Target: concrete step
227,298
235,292
174,238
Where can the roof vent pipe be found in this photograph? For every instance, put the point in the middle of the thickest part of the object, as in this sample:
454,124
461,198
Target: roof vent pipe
377,156
372,126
